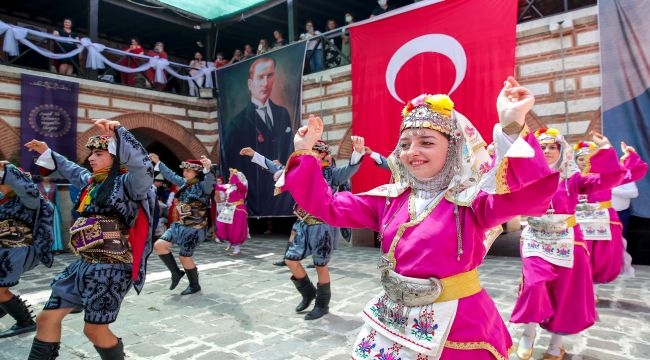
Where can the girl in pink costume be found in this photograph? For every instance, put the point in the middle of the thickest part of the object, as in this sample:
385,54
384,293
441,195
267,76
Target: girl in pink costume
432,223
605,238
232,221
557,289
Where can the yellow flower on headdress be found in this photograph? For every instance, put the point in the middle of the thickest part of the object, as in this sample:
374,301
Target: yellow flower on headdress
552,132
585,144
440,103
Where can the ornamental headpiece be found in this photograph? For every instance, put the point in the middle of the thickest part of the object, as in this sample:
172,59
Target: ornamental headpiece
321,146
548,135
584,148
102,142
195,165
430,112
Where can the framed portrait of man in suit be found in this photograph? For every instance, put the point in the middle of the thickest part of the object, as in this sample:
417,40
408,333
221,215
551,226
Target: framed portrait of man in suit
259,107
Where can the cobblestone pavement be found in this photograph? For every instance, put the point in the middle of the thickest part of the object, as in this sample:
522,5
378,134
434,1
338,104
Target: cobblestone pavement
245,310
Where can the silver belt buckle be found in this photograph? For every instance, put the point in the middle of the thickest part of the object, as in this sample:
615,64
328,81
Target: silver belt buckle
384,265
411,294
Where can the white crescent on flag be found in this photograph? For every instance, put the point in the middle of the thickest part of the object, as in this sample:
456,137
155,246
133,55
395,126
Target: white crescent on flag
437,43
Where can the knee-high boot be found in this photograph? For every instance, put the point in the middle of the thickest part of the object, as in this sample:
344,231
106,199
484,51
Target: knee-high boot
322,304
193,277
177,274
17,309
113,353
306,289
42,350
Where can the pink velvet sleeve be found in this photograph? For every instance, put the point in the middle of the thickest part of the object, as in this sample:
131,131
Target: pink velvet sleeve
515,173
525,186
241,188
305,182
606,172
636,167
219,187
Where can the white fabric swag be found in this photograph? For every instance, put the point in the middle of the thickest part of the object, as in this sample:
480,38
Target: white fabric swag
95,58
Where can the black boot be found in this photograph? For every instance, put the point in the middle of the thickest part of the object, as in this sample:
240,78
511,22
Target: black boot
193,277
307,290
322,304
177,274
42,350
19,311
113,353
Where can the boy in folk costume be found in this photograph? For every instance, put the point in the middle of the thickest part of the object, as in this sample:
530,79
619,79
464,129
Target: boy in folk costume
195,189
557,288
112,236
315,236
26,239
432,222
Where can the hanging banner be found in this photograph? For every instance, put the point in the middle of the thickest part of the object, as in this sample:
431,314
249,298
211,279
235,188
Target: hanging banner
464,48
625,54
259,107
48,112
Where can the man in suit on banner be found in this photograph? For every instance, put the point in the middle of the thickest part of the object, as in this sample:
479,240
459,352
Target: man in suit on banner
263,126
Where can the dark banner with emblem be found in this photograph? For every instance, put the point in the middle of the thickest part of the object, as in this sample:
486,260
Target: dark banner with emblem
48,112
259,107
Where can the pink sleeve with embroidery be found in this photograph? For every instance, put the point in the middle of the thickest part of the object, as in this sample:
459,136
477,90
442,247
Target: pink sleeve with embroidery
305,182
637,168
605,170
525,186
515,173
241,188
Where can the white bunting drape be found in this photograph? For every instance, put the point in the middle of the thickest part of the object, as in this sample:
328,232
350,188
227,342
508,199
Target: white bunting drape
95,58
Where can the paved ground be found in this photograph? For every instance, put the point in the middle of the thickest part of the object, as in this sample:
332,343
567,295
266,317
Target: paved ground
245,310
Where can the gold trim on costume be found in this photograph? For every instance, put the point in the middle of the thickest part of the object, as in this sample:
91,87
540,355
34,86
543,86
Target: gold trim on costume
303,152
501,175
475,345
412,222
583,245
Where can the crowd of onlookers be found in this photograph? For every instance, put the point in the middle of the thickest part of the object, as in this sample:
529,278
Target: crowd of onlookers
327,49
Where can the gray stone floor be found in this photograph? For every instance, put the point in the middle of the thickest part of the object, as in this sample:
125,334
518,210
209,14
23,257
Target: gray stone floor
245,310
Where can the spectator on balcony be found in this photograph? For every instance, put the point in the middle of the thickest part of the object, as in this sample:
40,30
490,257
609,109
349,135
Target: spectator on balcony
314,48
159,51
263,47
196,64
346,51
248,52
382,8
236,56
332,47
131,61
279,39
220,61
67,65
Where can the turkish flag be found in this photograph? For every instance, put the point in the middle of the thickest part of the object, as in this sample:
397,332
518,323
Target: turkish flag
464,48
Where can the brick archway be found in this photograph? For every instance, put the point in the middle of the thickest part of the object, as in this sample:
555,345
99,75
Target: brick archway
9,141
183,143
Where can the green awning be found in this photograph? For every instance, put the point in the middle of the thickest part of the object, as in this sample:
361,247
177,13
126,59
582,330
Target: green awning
213,10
